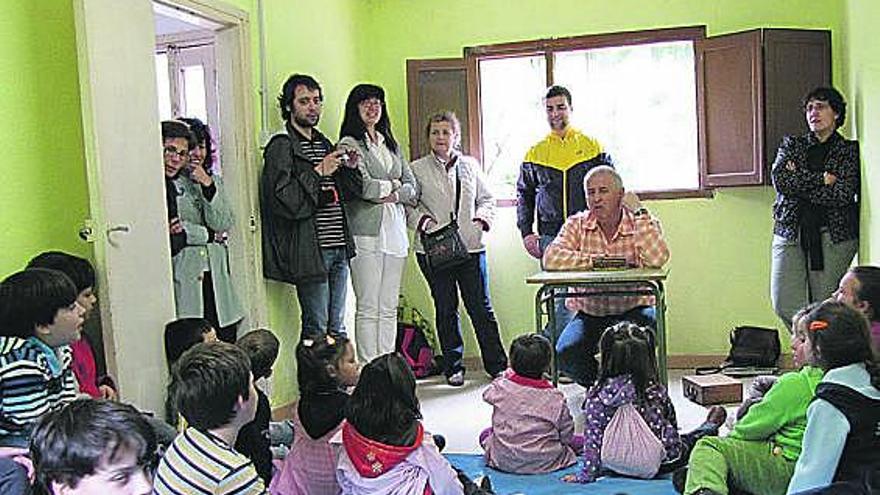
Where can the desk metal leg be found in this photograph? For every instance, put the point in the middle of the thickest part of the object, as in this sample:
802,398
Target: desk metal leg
660,296
545,301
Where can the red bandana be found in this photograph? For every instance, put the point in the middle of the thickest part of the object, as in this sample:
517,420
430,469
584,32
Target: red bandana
371,458
528,382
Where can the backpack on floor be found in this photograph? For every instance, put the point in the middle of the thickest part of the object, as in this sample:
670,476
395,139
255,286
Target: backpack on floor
629,447
415,340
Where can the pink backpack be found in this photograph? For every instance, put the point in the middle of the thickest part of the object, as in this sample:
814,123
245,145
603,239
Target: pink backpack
629,447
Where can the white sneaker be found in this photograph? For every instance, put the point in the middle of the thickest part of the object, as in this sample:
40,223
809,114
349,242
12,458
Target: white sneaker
457,379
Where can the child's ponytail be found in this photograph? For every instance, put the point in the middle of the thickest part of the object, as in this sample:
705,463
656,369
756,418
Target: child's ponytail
839,336
315,358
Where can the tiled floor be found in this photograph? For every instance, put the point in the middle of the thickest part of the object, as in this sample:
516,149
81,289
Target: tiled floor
460,413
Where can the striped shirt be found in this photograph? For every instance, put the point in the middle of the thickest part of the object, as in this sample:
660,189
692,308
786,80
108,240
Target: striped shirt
28,387
329,218
639,239
198,462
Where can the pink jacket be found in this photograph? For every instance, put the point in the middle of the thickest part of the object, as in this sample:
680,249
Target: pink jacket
310,466
532,428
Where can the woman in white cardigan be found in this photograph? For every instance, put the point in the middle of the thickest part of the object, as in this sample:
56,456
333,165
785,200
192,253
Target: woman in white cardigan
377,219
437,175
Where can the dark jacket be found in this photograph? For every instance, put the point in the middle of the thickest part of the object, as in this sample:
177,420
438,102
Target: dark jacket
289,195
860,461
799,187
551,181
253,439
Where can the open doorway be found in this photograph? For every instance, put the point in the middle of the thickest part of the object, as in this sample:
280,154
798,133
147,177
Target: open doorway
116,43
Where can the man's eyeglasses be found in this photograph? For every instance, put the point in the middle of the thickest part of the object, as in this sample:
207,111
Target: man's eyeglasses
171,151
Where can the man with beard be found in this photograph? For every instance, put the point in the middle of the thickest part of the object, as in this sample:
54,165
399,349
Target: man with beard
304,188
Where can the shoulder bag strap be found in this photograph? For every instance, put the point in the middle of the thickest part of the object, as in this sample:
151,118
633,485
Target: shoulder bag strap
454,214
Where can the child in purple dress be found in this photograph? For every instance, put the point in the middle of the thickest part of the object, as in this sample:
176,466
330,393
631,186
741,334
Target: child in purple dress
325,367
532,430
628,375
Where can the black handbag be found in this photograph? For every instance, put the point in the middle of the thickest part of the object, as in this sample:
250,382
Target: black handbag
753,351
754,347
444,248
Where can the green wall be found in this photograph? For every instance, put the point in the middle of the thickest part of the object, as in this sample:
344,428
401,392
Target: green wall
719,276
863,64
316,38
43,195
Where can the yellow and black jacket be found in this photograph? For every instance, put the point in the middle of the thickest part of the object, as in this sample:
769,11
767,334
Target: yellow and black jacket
551,180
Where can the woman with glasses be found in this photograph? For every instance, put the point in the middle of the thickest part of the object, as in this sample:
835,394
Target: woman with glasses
816,212
202,285
377,220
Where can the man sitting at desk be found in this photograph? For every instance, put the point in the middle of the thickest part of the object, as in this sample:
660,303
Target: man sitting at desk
616,228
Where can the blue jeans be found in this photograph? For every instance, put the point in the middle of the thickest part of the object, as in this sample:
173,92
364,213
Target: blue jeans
577,346
472,279
322,304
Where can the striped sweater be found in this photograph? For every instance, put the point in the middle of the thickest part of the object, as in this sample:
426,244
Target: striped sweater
28,386
200,463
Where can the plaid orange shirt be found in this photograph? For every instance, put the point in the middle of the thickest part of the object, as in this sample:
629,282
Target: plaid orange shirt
639,239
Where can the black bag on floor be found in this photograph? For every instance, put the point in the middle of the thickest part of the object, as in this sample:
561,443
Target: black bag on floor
753,351
756,347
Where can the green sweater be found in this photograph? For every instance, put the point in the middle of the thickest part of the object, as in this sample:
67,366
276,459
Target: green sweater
781,416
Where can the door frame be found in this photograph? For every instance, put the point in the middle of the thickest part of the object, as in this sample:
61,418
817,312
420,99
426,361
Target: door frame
133,335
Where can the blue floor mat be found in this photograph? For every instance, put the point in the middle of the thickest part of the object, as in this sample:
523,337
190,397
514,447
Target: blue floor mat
546,484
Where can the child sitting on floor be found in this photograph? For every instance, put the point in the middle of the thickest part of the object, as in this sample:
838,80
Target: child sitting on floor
761,384
213,388
39,319
628,390
532,430
261,346
759,454
325,367
860,289
82,274
384,448
94,447
841,446
181,335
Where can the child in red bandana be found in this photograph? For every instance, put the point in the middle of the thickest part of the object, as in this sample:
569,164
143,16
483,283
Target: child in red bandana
532,429
385,449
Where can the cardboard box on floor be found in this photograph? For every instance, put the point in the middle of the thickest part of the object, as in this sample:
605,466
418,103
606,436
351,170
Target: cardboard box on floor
708,390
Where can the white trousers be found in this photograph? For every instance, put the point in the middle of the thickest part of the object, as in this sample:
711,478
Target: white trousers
375,277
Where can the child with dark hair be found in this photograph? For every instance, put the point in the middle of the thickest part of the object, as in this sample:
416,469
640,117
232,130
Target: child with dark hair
94,446
84,365
325,367
180,336
841,446
385,449
213,388
261,346
39,319
628,378
860,288
532,429
183,333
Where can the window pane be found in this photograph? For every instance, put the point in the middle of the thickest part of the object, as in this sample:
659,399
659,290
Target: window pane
194,92
640,103
513,117
163,86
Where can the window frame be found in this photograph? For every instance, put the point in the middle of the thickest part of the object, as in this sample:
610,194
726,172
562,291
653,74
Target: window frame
550,46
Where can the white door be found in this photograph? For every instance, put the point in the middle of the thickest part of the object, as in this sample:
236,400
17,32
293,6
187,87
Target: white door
115,46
